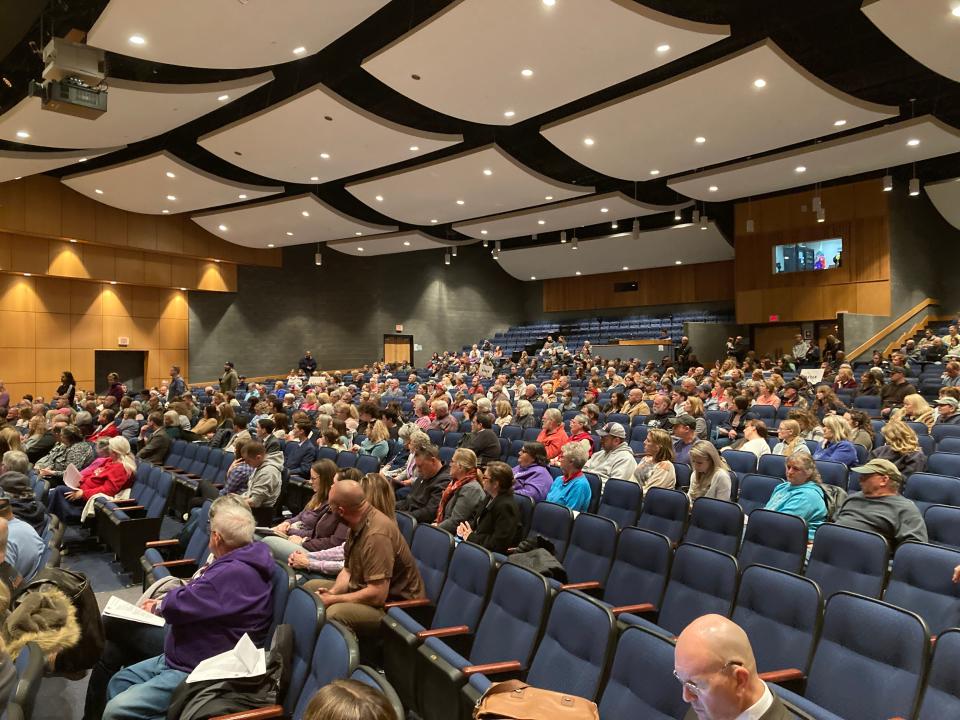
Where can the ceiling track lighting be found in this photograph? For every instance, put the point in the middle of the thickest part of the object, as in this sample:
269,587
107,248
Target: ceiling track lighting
703,221
486,243
677,216
563,237
446,258
636,229
914,186
749,225
454,251
887,182
574,245
821,215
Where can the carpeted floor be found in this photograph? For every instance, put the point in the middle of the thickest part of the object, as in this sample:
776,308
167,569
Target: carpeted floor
61,699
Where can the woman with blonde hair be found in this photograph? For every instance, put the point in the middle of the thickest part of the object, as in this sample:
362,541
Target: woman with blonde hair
108,478
902,448
504,413
524,415
9,440
801,494
463,497
790,440
711,474
836,442
915,409
377,441
655,468
768,394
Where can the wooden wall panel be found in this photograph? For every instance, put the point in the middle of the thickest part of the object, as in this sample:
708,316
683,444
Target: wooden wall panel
78,216
857,212
53,329
19,329
41,208
706,282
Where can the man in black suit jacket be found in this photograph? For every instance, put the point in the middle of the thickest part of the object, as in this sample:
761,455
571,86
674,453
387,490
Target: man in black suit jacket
714,662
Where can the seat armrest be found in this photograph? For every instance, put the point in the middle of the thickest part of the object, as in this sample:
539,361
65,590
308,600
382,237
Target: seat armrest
133,508
443,632
641,608
124,502
779,676
271,711
492,668
194,476
182,562
162,543
591,585
402,604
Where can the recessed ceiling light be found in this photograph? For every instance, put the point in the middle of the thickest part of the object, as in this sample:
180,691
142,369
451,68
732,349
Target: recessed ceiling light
98,191
527,72
270,245
113,282
299,50
839,123
604,210
314,179
26,274
216,260
548,197
459,202
406,243
242,196
913,142
223,98
663,48
533,277
289,234
509,114
72,240
414,148
577,273
183,289
956,11
700,140
82,160
759,83
588,141
654,172
222,227
359,249
165,212
678,262
18,177
549,3
483,232
379,198
800,168
324,156
713,188
23,134
541,222
170,174
488,172
625,267
171,198
305,213
433,220
137,40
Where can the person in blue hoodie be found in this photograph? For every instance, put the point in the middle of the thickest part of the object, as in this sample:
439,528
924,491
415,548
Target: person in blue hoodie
836,442
230,597
801,494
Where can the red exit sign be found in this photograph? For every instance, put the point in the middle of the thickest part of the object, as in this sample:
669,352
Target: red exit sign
774,318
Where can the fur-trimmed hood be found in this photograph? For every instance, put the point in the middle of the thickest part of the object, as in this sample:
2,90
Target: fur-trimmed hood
46,618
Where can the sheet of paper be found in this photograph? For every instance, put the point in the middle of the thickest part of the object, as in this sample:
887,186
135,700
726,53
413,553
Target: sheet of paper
119,608
71,477
244,660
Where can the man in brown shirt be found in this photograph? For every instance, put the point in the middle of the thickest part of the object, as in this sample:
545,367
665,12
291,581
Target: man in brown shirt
378,564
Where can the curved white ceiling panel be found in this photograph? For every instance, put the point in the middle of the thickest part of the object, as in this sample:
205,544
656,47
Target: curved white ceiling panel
477,182
15,164
317,136
226,33
927,30
753,101
135,111
674,245
945,196
909,141
504,61
560,216
162,183
405,241
286,221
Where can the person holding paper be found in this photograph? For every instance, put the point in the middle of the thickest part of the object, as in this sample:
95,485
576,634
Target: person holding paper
109,478
231,597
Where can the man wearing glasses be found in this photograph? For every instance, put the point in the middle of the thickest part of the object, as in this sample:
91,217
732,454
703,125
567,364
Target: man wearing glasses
714,663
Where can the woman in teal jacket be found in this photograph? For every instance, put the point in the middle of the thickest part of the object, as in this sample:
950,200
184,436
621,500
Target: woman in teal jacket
801,494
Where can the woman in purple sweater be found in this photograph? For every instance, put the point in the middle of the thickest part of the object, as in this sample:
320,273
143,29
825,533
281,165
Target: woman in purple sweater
317,527
531,476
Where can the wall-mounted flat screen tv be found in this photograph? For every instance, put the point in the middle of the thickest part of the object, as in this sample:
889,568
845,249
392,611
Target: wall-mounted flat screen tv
807,256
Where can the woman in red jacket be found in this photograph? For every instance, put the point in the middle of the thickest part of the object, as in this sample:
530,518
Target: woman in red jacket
109,478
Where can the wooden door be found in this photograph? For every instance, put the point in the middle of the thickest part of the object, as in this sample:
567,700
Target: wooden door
398,348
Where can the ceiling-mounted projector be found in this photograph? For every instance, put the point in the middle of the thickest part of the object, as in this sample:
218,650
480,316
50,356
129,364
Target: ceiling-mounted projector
73,75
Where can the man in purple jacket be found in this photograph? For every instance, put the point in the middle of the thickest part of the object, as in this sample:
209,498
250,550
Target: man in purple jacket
207,616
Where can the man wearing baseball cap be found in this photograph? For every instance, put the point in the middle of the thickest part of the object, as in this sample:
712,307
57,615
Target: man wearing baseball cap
893,393
947,411
685,432
880,507
615,460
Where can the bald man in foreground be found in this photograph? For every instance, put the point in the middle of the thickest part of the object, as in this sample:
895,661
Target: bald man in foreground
378,565
714,662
